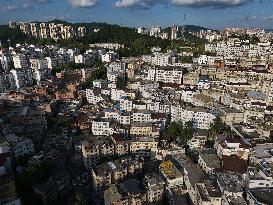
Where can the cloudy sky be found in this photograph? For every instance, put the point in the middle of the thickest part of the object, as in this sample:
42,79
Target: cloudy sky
209,13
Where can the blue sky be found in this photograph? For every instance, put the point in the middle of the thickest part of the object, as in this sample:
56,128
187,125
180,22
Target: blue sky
209,13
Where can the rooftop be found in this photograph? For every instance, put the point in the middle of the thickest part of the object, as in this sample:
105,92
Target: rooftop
111,195
170,170
264,196
210,157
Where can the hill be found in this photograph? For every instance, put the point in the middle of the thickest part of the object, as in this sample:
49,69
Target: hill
135,44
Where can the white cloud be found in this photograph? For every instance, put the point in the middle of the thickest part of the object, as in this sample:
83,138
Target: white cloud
267,17
209,3
135,3
186,3
83,3
24,4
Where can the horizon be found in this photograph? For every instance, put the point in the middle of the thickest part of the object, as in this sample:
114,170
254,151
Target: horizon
148,27
135,13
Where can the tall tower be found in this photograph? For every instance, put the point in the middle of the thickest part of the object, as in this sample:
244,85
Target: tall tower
183,28
173,32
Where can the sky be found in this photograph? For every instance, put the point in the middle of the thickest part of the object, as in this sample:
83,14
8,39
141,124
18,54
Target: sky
215,14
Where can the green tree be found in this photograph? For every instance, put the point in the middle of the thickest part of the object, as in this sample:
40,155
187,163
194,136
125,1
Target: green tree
121,82
183,133
185,59
174,130
218,127
80,199
187,132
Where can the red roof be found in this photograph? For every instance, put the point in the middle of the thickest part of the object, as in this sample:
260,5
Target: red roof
234,164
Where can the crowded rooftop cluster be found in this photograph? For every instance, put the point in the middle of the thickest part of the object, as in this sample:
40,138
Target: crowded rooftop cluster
171,126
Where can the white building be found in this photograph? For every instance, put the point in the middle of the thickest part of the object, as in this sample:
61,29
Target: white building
166,75
20,78
39,69
20,146
200,117
93,97
20,61
101,127
109,57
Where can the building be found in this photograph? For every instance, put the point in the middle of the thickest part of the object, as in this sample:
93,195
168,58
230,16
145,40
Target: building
141,129
155,187
96,148
171,174
114,171
209,161
20,146
144,146
208,193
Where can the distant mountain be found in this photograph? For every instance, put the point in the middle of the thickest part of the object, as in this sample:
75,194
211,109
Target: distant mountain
269,30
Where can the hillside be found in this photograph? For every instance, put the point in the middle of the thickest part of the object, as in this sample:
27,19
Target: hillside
135,44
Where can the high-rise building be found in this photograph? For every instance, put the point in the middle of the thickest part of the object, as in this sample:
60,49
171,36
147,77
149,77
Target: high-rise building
155,31
25,27
173,32
34,29
81,31
44,30
12,24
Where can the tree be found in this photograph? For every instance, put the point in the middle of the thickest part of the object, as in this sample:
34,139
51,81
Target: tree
185,59
121,82
187,132
183,133
174,130
218,127
80,199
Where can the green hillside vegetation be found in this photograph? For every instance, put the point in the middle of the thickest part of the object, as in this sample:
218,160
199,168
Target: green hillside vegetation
135,44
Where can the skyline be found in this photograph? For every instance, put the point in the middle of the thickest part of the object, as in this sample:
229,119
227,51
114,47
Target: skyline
134,13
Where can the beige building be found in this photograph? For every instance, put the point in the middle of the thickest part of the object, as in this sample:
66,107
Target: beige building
142,129
143,146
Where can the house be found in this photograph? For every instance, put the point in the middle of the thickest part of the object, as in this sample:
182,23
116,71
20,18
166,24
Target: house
144,146
96,148
141,129
21,146
208,193
261,196
114,171
155,187
199,139
209,161
171,174
227,146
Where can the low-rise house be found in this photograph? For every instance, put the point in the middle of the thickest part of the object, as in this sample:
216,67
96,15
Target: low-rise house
199,139
261,196
131,190
96,148
227,146
155,187
209,161
171,174
260,177
144,146
231,184
113,171
20,146
122,144
208,193
232,116
141,129
262,152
